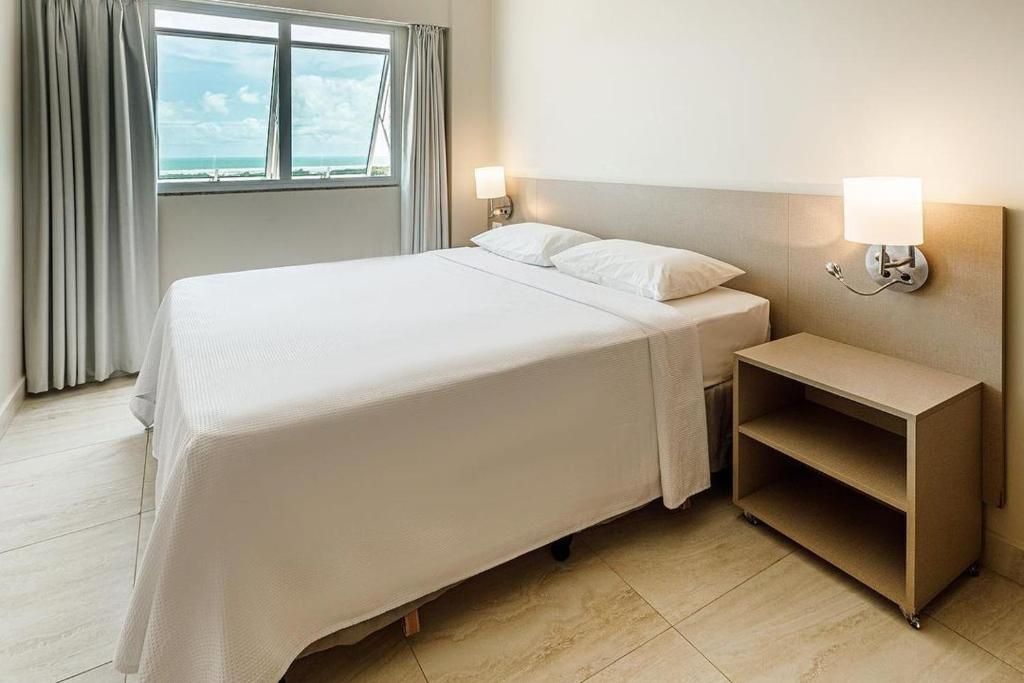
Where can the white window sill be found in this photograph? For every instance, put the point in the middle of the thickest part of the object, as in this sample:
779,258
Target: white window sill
245,186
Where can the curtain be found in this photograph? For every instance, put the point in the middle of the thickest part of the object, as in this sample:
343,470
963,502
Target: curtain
425,168
89,164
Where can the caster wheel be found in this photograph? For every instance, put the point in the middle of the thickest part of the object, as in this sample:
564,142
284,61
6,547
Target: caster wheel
973,571
913,620
562,548
751,519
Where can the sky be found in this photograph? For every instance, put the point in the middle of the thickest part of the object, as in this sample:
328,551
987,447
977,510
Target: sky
214,99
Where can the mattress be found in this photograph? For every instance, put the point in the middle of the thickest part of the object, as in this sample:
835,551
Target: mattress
727,321
340,439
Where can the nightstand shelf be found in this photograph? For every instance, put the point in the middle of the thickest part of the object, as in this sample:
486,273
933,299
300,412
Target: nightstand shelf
867,458
870,462
863,539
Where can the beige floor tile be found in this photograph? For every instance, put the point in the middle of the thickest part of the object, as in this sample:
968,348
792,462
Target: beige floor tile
62,602
382,657
93,395
680,560
51,495
149,483
988,610
101,674
28,438
801,619
666,658
534,619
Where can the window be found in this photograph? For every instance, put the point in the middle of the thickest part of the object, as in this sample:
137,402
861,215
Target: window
256,99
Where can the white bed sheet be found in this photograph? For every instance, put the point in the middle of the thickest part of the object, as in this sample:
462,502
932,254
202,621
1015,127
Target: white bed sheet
340,439
727,321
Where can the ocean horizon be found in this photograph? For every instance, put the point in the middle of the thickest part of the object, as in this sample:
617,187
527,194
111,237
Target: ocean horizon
199,163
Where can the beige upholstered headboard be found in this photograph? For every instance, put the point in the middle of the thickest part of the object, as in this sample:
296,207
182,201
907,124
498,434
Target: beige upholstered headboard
955,322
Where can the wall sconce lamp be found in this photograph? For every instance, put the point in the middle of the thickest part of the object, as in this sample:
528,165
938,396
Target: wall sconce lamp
888,214
490,185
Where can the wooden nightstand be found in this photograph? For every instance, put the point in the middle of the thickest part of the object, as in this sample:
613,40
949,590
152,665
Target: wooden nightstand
870,462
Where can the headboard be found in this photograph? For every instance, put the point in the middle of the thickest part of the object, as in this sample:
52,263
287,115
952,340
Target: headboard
954,322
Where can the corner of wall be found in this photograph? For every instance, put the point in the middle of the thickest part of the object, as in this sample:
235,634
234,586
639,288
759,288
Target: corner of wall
12,379
1003,557
9,405
471,114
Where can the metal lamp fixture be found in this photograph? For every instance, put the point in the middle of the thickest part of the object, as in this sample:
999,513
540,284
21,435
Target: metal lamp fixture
490,185
888,214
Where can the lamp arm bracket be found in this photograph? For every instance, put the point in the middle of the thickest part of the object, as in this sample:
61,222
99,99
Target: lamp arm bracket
900,263
836,271
500,207
872,293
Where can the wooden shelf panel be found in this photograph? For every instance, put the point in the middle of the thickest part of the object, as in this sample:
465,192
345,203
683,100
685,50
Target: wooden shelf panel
882,382
856,534
858,454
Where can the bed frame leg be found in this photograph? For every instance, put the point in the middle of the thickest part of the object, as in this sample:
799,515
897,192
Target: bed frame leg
561,549
687,504
411,623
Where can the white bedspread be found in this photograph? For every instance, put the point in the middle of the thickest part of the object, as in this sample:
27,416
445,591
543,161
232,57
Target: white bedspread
337,440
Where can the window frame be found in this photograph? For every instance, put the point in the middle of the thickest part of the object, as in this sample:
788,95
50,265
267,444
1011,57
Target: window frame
284,20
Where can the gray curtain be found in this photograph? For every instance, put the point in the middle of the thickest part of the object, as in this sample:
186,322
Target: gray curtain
425,168
89,162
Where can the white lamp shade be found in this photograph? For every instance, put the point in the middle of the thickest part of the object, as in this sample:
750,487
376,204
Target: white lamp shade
886,211
490,182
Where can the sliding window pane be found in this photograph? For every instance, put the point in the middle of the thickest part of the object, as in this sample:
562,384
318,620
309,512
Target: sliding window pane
341,37
212,23
380,158
214,108
337,104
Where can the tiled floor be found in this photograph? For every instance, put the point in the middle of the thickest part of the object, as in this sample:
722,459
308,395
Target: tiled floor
693,595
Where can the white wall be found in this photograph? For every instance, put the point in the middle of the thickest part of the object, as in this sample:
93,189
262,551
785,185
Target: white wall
779,95
11,366
470,117
227,232
219,233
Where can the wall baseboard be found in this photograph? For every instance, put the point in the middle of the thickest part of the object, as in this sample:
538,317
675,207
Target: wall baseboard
10,405
1003,557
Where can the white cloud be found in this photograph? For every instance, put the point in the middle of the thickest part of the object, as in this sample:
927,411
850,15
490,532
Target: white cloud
216,102
334,115
195,137
166,111
209,130
251,60
253,128
248,96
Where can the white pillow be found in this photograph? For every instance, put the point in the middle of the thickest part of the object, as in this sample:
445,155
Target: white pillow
649,270
533,243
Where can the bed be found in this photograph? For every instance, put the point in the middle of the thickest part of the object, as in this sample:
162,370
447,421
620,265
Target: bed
727,321
339,441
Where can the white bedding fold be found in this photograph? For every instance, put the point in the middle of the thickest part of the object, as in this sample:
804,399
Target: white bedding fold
676,365
339,439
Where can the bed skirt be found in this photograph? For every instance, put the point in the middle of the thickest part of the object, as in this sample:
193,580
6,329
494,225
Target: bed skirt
718,402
